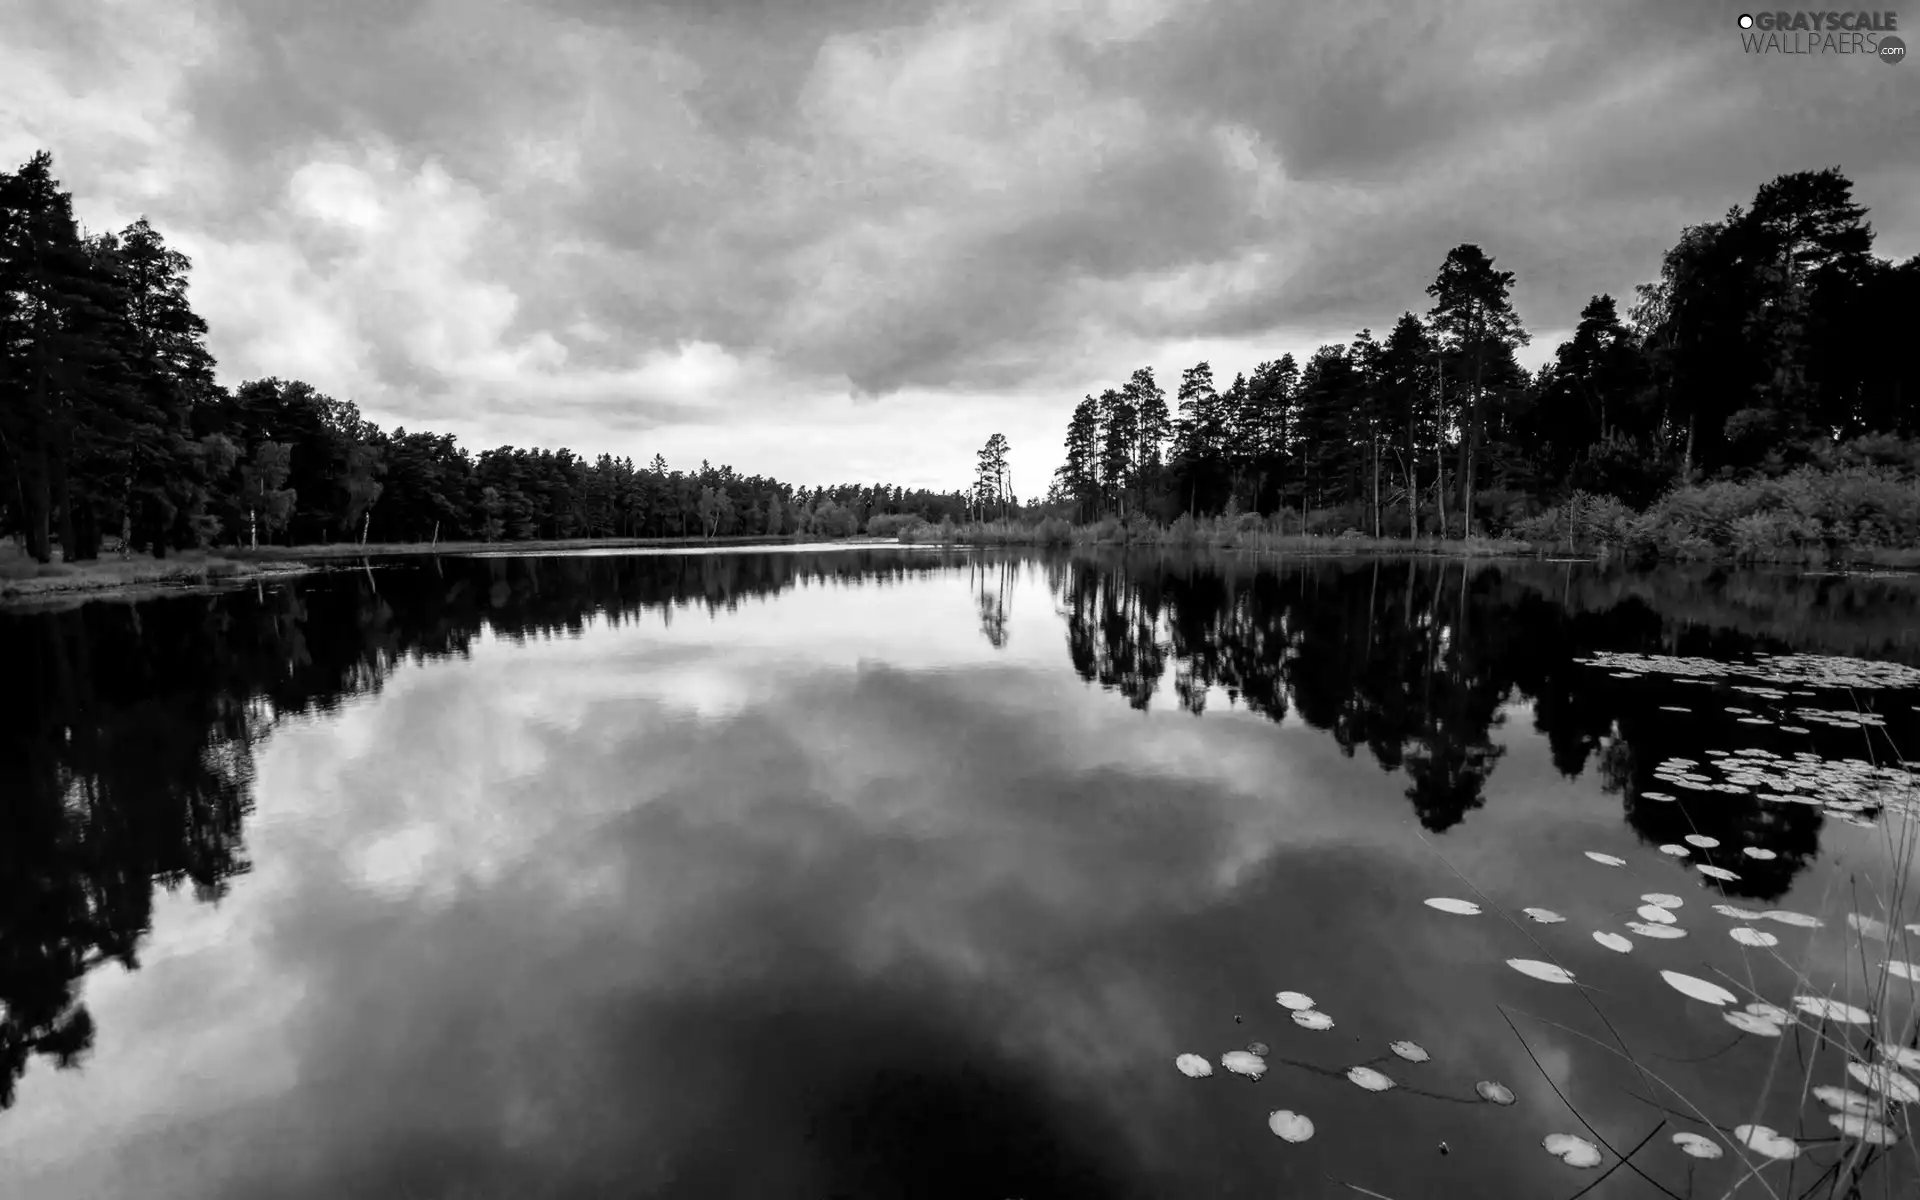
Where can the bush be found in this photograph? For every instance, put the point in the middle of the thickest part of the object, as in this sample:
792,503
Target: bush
890,524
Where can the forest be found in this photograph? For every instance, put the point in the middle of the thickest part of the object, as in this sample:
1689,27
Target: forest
1753,390
112,426
1757,374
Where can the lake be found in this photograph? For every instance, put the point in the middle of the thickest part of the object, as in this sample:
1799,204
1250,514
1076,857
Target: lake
909,872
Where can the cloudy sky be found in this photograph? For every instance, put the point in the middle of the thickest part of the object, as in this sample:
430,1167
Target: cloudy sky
848,239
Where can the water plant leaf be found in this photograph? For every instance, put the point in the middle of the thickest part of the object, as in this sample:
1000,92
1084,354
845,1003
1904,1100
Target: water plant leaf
1368,1079
1460,908
1606,860
1259,1048
1867,926
1297,1001
1665,932
1663,900
1701,840
1244,1062
1411,1051
1613,941
1858,1125
1494,1093
1308,1018
1544,916
1697,1146
1770,1012
1900,1056
1881,1077
1289,1126
1714,872
1746,935
1571,1150
1698,989
1193,1066
1830,1009
1663,797
1544,971
1747,1022
1799,920
1678,851
1846,1100
1759,853
1656,915
1765,1141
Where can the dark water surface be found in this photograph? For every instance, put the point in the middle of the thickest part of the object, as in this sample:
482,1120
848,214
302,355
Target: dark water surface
894,872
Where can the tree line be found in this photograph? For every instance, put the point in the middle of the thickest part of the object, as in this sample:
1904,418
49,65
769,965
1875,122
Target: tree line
112,425
1768,335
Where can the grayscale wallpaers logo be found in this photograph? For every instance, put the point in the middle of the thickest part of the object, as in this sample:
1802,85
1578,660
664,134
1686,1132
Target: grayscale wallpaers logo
1870,33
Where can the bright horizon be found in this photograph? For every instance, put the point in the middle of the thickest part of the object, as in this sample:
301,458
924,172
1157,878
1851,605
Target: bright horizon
847,244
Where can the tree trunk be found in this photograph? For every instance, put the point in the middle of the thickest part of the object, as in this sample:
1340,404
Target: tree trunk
253,528
1440,448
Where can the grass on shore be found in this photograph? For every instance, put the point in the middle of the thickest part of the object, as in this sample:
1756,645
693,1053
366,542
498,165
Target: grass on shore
1207,533
21,578
373,549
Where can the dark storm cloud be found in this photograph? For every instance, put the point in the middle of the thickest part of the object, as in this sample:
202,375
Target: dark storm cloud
912,195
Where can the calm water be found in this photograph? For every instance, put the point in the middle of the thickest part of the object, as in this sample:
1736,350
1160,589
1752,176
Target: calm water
893,873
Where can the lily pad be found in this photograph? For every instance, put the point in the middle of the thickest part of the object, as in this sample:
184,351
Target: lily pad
1867,926
1311,1018
1297,1001
1846,1100
1571,1150
1701,840
1738,914
1746,1022
1656,915
1411,1051
1696,1146
1770,1012
1193,1066
1829,1009
1678,851
1746,935
1664,932
1799,920
1663,900
1901,1056
1708,869
1494,1093
1881,1077
1698,989
1606,860
1764,1141
1368,1079
1244,1062
1759,853
1289,1126
1544,916
1544,971
1259,1048
1460,908
1868,1130
1613,941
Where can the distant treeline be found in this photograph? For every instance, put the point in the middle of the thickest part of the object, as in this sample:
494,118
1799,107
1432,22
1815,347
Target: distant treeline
1770,342
111,423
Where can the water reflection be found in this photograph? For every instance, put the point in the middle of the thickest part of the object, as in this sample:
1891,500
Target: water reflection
130,740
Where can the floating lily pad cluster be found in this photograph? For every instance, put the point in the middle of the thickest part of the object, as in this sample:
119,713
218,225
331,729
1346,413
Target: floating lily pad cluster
1791,671
1291,1126
1847,788
1861,1115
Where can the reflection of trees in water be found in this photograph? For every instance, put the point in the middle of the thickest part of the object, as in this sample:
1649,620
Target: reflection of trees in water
1415,659
127,732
